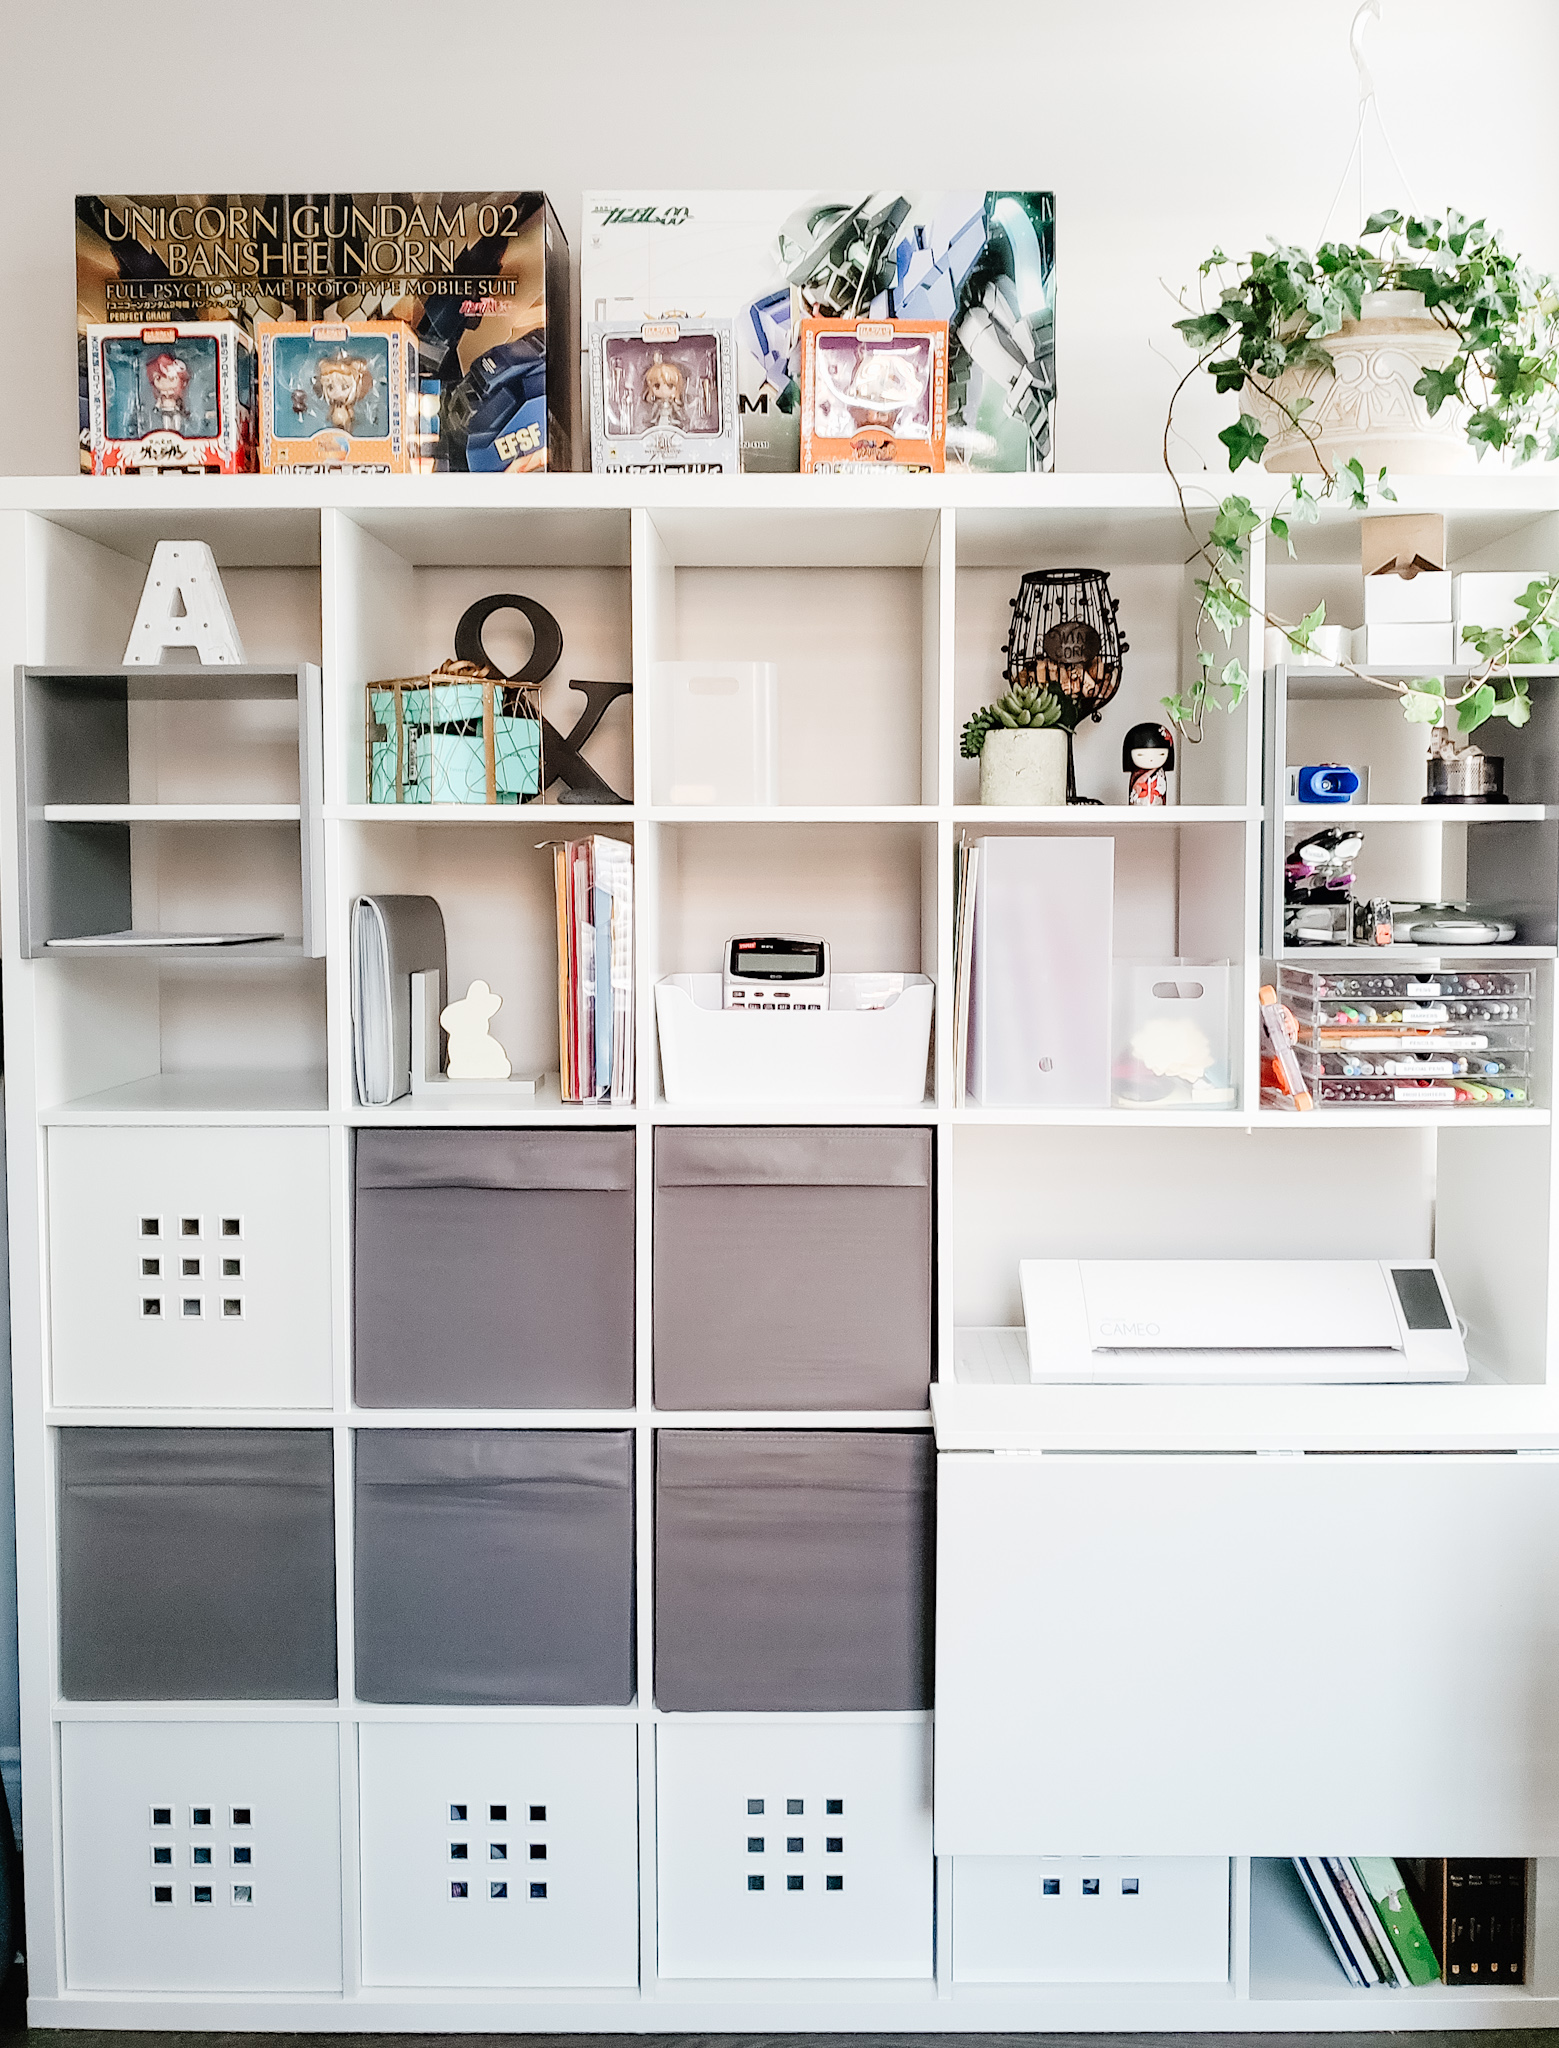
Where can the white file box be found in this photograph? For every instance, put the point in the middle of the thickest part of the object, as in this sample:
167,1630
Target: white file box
841,1054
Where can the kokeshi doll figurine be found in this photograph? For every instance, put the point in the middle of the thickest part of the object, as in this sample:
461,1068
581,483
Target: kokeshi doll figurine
1148,760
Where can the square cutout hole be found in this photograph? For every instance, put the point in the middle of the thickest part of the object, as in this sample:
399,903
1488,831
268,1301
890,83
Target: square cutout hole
162,1816
200,1894
151,1307
243,1854
1051,1887
243,1894
190,1268
538,1813
162,1895
162,1854
151,1226
459,1891
1090,1887
232,1308
497,1891
240,1816
151,1269
755,1884
232,1269
497,1813
232,1226
190,1308
189,1226
835,1882
457,1813
200,1816
538,1891
795,1883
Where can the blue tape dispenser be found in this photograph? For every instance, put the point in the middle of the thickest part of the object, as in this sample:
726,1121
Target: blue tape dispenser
1328,782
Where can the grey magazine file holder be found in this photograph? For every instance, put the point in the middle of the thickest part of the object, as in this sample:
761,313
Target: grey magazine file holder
197,1564
494,1269
495,1567
792,1268
793,1570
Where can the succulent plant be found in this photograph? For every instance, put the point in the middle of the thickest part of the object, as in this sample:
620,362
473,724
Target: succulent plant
1025,708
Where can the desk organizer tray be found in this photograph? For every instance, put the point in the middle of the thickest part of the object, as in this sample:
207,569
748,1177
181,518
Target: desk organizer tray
197,1564
793,1570
495,1567
841,1054
494,1269
792,1268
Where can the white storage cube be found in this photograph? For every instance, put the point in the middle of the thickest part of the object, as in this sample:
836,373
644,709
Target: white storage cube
190,1267
499,1855
841,1054
1424,599
790,1849
1090,1919
1491,599
1407,646
201,1856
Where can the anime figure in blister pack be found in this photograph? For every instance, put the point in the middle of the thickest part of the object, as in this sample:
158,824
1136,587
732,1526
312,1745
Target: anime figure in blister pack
665,393
169,379
342,382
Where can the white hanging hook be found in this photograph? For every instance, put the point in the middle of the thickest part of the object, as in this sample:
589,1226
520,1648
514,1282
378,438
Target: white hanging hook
1370,11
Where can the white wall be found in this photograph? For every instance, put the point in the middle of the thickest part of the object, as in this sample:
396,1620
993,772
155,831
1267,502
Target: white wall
1162,125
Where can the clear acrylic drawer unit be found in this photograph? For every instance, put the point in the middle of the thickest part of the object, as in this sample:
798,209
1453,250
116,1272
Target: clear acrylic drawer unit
201,1856
1460,1039
190,1268
500,1855
794,1851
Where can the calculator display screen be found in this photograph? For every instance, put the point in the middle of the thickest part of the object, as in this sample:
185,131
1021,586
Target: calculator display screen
775,965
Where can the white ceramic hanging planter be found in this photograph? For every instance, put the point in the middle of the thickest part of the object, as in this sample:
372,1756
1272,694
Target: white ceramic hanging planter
1023,767
1369,408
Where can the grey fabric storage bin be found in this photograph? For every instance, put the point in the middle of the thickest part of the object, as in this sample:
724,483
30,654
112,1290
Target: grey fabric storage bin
495,1567
793,1570
494,1269
793,1268
197,1564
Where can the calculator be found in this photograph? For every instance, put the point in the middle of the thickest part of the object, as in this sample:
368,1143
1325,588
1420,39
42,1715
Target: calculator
776,973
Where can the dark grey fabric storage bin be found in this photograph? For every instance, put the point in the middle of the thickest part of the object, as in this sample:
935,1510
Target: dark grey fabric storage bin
495,1567
197,1564
494,1269
792,1268
793,1570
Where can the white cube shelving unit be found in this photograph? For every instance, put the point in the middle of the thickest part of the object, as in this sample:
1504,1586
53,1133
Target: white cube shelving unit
884,603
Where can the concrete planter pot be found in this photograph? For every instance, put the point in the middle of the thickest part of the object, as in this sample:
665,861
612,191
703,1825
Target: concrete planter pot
1369,408
1026,767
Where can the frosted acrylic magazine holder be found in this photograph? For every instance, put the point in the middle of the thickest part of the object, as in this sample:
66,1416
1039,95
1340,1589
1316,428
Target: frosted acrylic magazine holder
716,732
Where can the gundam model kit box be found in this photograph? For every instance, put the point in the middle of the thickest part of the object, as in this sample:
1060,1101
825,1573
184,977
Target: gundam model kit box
480,279
178,397
982,261
338,395
873,394
663,397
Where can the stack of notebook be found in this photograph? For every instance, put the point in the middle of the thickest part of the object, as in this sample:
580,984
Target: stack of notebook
1458,1920
594,880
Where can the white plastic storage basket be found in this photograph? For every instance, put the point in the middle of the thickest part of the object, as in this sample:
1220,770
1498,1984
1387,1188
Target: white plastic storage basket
500,1855
794,1851
1090,1919
190,1268
201,1856
842,1054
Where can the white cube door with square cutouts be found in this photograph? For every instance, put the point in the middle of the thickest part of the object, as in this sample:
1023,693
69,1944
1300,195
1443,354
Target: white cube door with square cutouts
1090,1919
201,1857
500,1855
794,1848
190,1267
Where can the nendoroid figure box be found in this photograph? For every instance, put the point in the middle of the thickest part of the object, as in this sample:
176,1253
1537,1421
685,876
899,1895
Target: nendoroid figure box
175,397
338,395
663,396
873,394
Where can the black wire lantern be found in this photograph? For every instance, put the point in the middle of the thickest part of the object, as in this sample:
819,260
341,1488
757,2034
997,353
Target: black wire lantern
1065,637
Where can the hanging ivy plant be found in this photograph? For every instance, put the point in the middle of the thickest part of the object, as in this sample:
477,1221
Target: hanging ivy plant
1272,315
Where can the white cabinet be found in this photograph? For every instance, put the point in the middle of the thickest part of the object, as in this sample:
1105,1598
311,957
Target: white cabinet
1247,1655
1090,1919
190,1268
